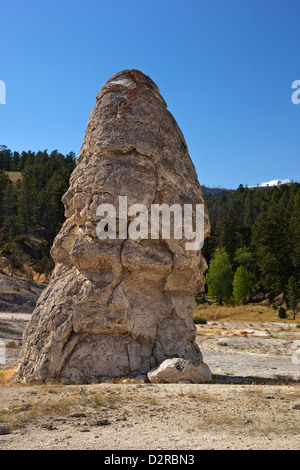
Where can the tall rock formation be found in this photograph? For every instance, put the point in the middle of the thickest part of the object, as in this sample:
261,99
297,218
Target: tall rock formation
119,307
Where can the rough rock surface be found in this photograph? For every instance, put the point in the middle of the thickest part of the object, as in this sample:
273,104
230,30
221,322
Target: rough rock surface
178,370
119,307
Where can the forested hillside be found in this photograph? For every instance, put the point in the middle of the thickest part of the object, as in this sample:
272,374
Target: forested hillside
31,211
259,230
255,234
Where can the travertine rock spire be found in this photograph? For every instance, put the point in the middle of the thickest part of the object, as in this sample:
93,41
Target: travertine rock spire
119,307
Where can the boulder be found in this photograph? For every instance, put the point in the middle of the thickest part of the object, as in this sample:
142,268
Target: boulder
179,370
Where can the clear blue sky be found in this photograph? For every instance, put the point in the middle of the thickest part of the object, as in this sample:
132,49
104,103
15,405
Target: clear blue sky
224,67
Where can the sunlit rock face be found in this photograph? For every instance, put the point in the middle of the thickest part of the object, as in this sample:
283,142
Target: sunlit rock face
119,307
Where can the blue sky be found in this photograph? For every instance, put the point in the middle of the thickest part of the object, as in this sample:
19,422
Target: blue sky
224,67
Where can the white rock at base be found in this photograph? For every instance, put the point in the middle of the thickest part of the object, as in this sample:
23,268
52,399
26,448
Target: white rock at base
178,370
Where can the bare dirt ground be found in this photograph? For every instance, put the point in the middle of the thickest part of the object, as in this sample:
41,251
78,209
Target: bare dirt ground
260,350
252,403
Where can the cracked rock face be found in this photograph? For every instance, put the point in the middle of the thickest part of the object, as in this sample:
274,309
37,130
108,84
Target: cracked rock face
119,307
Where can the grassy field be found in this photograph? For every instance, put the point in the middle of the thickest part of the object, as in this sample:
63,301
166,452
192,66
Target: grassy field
6,375
244,313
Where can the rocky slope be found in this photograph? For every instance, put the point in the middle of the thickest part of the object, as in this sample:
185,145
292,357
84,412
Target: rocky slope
17,295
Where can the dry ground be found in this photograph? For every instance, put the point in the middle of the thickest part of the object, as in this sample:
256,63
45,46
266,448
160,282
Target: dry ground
252,403
155,417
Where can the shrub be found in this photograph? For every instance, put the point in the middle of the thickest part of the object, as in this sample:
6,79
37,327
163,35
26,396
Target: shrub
274,306
282,312
199,320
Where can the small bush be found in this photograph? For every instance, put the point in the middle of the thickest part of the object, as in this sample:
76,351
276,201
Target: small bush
282,312
199,320
274,306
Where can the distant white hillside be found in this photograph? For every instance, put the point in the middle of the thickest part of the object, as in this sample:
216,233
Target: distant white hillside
272,183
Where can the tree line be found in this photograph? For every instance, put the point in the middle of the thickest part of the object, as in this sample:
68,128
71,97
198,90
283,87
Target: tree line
31,211
255,242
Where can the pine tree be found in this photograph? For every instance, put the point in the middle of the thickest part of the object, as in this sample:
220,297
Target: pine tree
14,254
229,232
294,226
294,294
27,204
272,248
